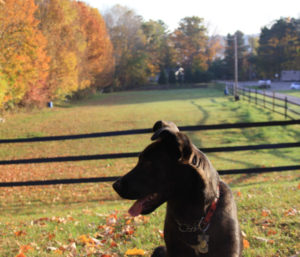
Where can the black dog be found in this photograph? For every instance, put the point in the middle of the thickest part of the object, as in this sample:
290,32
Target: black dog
201,217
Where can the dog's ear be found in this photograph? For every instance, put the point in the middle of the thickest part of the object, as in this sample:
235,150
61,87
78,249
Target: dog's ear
178,144
161,126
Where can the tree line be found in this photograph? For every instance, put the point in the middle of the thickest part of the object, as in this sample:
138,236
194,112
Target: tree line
51,49
264,56
55,49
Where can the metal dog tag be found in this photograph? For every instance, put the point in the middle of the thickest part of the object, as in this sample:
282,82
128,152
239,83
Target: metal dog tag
202,246
203,243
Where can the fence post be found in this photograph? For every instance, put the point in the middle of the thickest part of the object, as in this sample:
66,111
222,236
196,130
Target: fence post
273,101
285,107
249,95
264,99
256,96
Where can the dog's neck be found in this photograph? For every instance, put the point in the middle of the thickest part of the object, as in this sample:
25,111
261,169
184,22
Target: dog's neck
192,197
190,206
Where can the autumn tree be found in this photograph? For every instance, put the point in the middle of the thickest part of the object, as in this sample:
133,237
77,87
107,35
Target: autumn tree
190,43
4,89
125,29
59,24
23,60
96,65
215,48
158,46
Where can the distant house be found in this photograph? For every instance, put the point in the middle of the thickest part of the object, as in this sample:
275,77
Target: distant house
290,75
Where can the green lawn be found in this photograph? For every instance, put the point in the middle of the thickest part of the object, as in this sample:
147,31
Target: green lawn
292,92
51,221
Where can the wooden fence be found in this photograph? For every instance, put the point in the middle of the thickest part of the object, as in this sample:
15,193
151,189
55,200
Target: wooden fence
269,100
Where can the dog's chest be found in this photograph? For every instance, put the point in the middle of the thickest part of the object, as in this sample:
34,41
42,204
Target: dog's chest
202,245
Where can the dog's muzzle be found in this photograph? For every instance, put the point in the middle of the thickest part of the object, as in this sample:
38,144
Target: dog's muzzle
117,186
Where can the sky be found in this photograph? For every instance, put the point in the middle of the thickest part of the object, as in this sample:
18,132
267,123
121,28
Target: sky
220,16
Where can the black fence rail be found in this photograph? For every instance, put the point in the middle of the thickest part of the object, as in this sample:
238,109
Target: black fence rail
149,130
135,154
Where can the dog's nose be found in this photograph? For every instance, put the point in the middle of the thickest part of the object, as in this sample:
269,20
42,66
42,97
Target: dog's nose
117,186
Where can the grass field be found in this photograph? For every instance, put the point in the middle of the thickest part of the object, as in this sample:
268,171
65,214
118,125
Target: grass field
90,220
292,92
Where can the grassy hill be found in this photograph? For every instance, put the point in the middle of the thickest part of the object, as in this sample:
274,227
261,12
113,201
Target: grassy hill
52,220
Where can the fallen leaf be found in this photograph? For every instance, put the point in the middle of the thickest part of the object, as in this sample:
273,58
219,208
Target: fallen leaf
265,213
263,239
246,244
128,221
161,233
290,212
135,251
86,240
113,244
272,232
25,248
128,230
111,220
20,233
51,248
58,251
238,193
72,249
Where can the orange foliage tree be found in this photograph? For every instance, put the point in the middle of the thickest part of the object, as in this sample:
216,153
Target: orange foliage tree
190,40
97,63
23,60
58,22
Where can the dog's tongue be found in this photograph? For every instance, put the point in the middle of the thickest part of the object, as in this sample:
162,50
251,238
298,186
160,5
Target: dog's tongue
137,207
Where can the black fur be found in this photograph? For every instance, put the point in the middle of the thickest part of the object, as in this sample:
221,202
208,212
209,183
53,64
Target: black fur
173,170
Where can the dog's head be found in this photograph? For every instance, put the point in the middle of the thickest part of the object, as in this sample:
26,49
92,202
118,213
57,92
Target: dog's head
169,167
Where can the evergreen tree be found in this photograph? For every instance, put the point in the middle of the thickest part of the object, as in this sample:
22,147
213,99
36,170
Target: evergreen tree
279,47
162,77
172,77
188,75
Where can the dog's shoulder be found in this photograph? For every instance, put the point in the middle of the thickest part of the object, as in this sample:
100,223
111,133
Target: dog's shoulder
226,199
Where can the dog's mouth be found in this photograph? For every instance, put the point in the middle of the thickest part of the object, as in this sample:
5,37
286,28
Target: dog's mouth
146,204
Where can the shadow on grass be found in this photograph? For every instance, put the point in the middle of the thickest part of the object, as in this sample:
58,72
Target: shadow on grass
37,207
240,181
150,96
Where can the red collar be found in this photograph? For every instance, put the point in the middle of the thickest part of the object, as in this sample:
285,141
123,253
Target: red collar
204,223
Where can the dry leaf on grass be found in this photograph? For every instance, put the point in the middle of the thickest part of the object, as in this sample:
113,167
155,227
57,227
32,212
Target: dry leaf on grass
266,240
135,251
246,244
265,213
25,248
20,233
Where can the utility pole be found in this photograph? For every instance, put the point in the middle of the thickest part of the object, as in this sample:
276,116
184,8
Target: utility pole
236,97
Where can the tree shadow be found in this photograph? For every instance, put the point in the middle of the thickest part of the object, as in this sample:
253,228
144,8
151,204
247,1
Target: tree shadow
36,206
148,96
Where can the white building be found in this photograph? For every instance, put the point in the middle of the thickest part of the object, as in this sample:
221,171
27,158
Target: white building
290,75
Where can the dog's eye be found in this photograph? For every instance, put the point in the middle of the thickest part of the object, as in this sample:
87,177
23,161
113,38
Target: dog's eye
194,161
